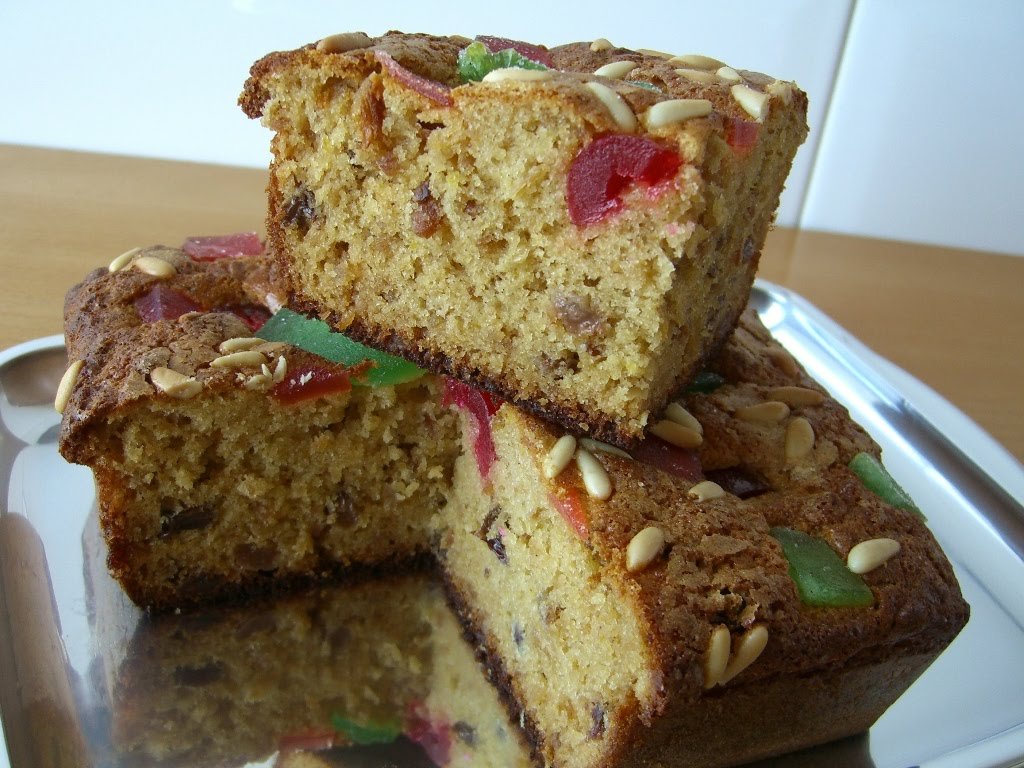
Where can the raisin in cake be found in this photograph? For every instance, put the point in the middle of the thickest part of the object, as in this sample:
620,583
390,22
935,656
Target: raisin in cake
377,668
227,464
695,607
576,229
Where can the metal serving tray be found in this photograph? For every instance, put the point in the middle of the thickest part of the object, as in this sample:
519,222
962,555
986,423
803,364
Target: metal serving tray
967,710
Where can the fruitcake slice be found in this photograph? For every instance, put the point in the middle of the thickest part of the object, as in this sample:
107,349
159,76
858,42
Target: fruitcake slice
708,606
227,463
575,229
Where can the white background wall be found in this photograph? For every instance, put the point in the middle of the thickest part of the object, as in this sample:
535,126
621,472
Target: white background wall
916,113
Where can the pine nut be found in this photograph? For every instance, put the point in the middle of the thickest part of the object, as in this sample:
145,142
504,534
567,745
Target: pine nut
696,61
155,266
870,554
784,361
601,44
706,490
123,260
174,384
799,439
239,344
595,479
698,76
751,645
345,41
616,105
769,412
67,385
560,456
245,359
729,74
616,70
280,370
259,381
677,434
754,103
677,413
643,548
517,74
796,396
596,446
717,657
676,111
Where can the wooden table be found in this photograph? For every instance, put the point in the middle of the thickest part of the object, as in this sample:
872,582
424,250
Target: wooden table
950,317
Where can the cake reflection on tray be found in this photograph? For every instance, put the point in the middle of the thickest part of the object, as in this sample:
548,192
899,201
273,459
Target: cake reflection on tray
375,671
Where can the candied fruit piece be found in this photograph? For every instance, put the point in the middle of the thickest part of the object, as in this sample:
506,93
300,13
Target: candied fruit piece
366,733
305,382
475,61
214,247
704,382
163,303
820,575
316,336
569,504
252,315
741,135
431,732
534,53
437,92
876,478
605,168
479,407
681,462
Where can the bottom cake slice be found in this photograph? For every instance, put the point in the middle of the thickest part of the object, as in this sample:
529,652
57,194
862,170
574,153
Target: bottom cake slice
742,597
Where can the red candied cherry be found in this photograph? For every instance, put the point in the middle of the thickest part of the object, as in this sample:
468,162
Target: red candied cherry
526,50
680,462
214,247
569,504
605,168
310,380
741,135
163,303
479,407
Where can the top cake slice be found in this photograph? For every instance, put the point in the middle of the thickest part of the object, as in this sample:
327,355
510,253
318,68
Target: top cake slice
576,229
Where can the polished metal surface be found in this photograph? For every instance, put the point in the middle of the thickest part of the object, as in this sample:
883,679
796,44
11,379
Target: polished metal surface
966,711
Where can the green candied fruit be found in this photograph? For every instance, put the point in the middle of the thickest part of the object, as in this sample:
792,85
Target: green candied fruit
645,85
877,479
316,336
370,733
820,575
704,382
475,61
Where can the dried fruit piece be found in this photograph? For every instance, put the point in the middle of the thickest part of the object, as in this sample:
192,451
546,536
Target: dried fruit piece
430,732
566,499
876,478
741,135
252,315
705,382
437,92
214,247
820,575
479,407
605,168
162,303
307,381
681,462
534,53
738,481
316,336
366,733
476,61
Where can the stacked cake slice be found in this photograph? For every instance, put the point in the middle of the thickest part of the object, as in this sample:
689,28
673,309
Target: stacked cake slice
655,523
